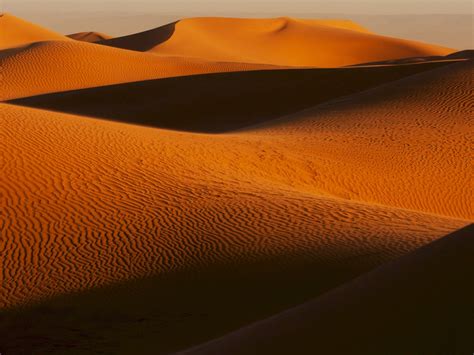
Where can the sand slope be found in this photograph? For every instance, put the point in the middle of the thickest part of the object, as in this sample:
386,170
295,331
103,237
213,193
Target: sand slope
404,144
421,303
89,36
132,185
279,41
88,65
16,32
118,202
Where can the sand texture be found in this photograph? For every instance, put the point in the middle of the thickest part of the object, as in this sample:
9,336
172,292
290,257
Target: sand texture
234,186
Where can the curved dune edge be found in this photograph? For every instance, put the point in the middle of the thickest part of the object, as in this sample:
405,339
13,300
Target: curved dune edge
279,41
418,303
18,32
88,65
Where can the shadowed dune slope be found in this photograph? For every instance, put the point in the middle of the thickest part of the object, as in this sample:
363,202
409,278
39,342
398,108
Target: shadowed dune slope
89,203
404,144
222,101
88,65
89,36
16,32
278,41
355,148
464,54
421,303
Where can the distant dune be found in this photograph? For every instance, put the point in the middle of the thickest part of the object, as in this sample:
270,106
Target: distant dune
17,32
280,41
89,65
89,36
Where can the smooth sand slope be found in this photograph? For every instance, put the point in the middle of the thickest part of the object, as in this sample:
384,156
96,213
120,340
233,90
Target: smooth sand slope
87,65
89,36
421,303
90,203
16,32
362,148
277,41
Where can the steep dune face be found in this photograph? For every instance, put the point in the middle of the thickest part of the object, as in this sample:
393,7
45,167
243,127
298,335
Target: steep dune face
281,41
16,32
420,303
89,36
87,65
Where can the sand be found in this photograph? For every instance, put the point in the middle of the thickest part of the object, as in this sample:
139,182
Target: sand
279,41
154,200
374,318
90,65
89,36
355,147
120,202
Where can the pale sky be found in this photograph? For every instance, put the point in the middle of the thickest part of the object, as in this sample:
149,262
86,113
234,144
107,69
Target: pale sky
447,22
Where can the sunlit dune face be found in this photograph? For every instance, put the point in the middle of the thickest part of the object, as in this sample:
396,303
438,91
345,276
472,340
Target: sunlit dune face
281,41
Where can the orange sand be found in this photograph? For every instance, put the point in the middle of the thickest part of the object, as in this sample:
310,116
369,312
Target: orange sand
281,41
88,65
105,192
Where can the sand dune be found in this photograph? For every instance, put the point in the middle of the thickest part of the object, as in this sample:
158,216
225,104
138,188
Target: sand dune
88,65
355,148
131,182
17,32
89,36
280,41
119,202
420,303
165,103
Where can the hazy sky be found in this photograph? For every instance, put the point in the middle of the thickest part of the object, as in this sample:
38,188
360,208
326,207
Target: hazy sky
261,6
447,22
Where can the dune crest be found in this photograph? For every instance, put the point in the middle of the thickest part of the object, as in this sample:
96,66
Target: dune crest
280,41
87,65
16,32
